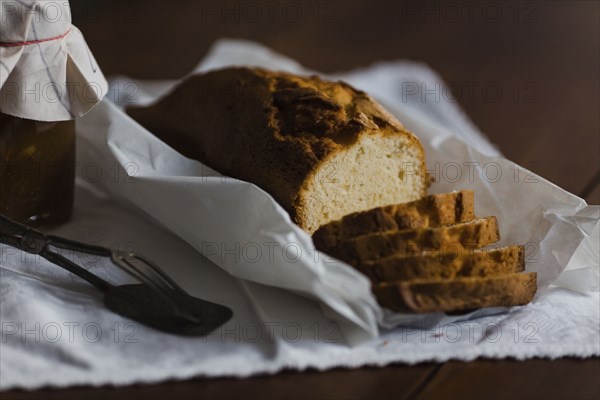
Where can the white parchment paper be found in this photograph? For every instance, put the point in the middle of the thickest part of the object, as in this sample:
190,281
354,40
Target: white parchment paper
293,307
530,210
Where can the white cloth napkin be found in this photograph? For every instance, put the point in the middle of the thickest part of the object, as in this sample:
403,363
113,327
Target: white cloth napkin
287,314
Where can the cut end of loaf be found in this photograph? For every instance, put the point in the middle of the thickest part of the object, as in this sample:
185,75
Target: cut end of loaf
377,169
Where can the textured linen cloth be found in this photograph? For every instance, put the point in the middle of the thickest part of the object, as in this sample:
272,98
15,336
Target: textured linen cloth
55,330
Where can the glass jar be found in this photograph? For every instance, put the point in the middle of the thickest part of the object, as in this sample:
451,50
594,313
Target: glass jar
37,170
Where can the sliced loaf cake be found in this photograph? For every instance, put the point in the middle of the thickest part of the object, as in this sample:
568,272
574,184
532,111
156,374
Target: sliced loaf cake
322,149
460,294
431,211
474,234
435,265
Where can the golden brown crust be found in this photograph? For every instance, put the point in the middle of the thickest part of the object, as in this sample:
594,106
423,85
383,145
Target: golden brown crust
474,234
447,265
269,128
460,294
431,211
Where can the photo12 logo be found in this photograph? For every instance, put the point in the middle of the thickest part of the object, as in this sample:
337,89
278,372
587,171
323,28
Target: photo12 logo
50,92
68,332
470,12
471,92
471,332
39,12
268,12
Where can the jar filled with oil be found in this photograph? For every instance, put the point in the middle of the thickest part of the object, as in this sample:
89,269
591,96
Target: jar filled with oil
37,170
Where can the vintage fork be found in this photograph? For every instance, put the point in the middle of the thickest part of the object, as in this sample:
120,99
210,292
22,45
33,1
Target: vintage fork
157,301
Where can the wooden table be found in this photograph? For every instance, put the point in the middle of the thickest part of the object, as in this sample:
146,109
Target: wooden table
544,58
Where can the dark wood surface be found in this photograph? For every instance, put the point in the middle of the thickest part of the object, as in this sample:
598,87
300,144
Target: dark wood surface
532,379
542,55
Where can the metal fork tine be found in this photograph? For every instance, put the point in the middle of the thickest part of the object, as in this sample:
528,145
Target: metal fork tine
142,277
147,278
166,278
160,284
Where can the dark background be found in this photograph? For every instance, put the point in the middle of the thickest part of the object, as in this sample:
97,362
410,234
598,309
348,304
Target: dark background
544,56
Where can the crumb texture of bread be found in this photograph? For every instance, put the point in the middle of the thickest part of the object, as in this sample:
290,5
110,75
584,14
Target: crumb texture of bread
431,211
322,149
468,235
437,265
460,294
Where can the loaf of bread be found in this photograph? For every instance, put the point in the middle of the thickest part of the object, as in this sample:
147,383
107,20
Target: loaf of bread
344,167
435,265
468,235
460,294
431,211
321,149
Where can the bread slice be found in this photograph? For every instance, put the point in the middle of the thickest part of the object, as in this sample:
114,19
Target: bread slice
460,294
436,266
434,210
468,235
322,149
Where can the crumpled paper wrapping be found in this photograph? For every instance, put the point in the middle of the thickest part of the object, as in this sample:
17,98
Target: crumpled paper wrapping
231,222
276,323
47,71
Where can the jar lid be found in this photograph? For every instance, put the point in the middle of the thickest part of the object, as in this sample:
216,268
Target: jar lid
47,72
